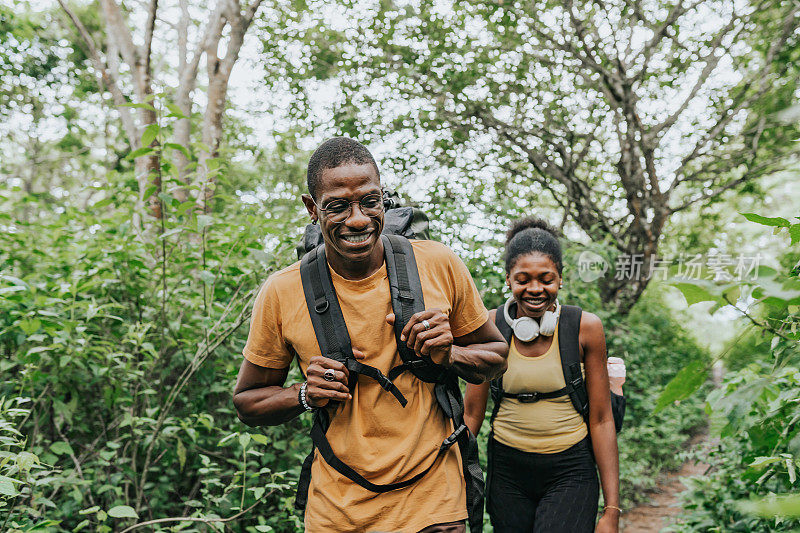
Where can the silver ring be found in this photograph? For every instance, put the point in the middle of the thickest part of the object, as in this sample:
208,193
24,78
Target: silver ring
329,375
426,325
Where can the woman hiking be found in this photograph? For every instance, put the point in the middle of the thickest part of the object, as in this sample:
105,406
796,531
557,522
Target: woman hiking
542,452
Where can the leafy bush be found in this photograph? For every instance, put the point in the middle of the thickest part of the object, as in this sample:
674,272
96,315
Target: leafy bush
752,484
755,414
128,343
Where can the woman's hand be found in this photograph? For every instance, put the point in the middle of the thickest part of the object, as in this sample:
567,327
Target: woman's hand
609,522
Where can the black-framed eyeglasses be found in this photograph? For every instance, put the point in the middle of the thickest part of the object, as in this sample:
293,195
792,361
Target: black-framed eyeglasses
339,210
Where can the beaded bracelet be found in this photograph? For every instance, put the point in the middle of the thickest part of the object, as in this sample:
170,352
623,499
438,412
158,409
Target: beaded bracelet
612,507
301,396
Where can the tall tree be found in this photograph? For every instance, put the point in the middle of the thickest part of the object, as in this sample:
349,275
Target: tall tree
124,62
622,112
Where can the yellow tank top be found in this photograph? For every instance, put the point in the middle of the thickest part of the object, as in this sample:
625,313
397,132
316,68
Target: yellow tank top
545,426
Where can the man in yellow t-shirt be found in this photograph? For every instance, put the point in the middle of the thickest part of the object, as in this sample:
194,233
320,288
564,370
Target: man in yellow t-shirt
369,429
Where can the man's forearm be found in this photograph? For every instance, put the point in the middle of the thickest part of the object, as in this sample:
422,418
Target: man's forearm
477,363
268,406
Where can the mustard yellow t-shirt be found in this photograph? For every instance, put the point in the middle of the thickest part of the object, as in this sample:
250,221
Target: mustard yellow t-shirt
373,433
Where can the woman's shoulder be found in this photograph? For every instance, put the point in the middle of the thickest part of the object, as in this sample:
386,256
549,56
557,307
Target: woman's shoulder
591,332
590,321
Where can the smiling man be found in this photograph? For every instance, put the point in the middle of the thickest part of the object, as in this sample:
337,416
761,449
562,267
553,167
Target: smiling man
398,474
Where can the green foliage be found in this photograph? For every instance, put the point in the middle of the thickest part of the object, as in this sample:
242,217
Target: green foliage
22,474
754,415
128,344
752,483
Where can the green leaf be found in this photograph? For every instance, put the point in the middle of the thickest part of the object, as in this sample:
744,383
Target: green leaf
767,221
207,277
181,450
259,438
244,439
122,511
181,148
15,288
785,506
15,281
139,152
175,111
694,293
185,206
203,221
102,203
30,326
26,460
61,448
794,233
90,510
149,135
684,384
7,486
226,439
82,525
140,106
148,192
761,461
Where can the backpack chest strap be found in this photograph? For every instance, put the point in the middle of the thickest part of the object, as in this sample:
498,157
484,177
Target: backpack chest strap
330,328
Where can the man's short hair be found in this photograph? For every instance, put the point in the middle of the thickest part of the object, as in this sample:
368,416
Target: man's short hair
333,153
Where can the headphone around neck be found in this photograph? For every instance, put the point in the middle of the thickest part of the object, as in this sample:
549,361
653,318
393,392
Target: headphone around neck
526,329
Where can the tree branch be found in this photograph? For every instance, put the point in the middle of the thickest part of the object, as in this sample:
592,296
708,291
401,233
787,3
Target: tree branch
109,79
150,26
199,519
650,47
762,82
748,175
711,61
118,31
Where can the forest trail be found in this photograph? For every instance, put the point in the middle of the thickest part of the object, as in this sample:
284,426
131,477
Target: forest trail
664,503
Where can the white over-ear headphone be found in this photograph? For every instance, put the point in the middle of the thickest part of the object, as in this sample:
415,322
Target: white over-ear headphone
526,329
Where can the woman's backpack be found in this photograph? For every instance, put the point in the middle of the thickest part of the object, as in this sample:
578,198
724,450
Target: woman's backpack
568,328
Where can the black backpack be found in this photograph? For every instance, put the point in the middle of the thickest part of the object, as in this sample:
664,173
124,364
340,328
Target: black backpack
568,329
400,224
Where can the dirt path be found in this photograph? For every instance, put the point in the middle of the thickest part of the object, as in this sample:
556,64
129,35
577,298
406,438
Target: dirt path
664,504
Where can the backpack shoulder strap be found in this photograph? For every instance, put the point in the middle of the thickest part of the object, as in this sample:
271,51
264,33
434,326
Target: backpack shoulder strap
407,299
330,328
501,323
496,385
323,306
404,284
569,325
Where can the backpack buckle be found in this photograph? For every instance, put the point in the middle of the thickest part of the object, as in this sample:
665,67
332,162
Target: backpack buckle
449,441
405,295
528,397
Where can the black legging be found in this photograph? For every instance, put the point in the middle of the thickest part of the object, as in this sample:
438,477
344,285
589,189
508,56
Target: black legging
542,492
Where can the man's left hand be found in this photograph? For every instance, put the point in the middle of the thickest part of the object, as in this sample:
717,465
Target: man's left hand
428,334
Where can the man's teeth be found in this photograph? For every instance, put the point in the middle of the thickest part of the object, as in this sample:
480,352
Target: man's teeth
356,238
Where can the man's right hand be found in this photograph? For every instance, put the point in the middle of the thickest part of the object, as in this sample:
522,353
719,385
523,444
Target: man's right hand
321,391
